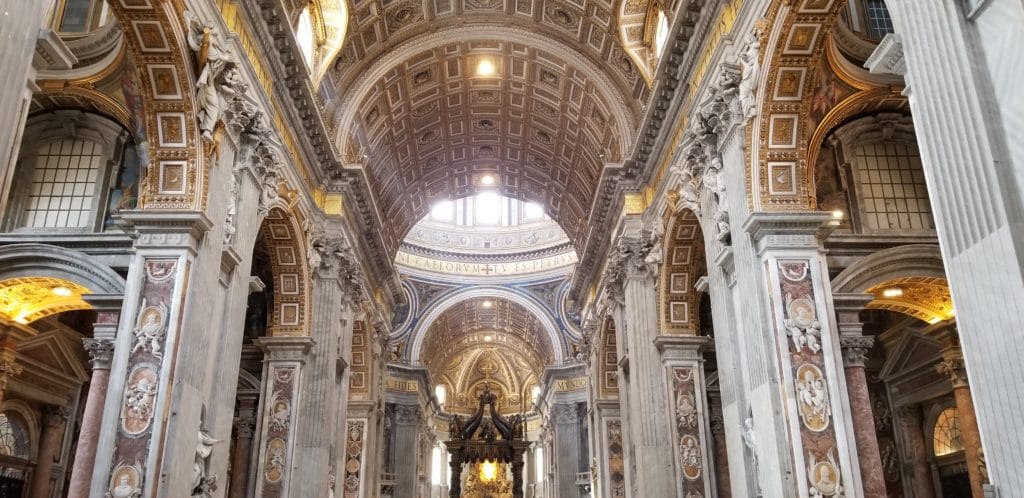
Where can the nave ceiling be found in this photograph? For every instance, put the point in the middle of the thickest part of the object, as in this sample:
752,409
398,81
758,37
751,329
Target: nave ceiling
411,108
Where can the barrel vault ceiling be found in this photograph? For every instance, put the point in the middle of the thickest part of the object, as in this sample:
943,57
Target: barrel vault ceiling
413,110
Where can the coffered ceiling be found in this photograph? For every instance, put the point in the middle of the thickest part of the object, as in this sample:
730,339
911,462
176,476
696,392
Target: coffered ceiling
487,340
412,109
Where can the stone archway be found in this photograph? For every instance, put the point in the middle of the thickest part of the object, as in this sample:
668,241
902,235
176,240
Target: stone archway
289,267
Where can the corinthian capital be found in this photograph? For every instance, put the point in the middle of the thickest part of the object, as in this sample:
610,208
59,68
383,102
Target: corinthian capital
855,349
953,368
333,257
101,351
630,258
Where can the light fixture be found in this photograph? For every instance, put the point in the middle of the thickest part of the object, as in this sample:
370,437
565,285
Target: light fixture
485,68
488,338
935,319
488,471
892,292
61,291
487,304
487,179
838,214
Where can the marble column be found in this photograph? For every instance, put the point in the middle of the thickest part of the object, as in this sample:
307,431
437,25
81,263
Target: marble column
283,370
565,423
801,424
962,62
855,350
952,366
20,25
9,367
407,427
100,350
245,425
683,358
335,287
54,420
721,452
630,282
915,451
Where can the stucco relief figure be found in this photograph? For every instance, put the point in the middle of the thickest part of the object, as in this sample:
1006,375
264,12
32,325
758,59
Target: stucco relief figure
802,326
125,483
689,193
274,469
149,329
280,415
213,59
690,451
751,72
686,411
823,477
139,398
812,397
202,484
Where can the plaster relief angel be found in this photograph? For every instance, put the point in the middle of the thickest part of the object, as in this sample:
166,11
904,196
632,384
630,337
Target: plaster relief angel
139,398
803,326
149,329
812,397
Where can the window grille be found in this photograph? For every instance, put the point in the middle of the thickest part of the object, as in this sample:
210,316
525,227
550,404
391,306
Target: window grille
63,185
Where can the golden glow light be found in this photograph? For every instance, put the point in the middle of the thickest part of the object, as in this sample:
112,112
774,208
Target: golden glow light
892,292
838,214
488,338
487,179
488,471
27,299
485,68
487,304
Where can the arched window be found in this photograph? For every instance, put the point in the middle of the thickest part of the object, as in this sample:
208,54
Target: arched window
660,33
62,193
946,436
79,17
868,18
304,36
14,438
880,159
74,170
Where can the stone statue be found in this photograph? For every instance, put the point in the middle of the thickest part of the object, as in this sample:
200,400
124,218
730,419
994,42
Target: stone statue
751,71
657,234
232,211
212,60
202,484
